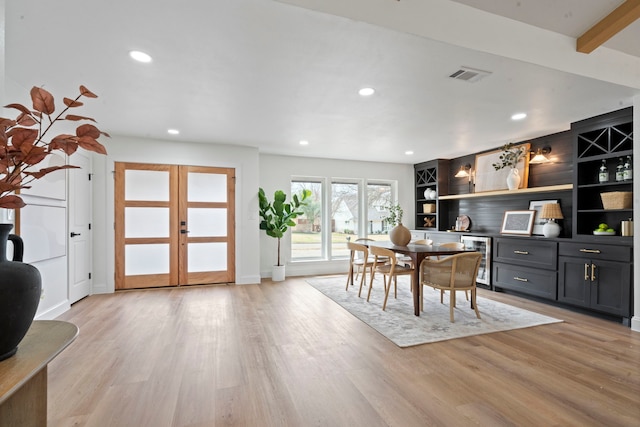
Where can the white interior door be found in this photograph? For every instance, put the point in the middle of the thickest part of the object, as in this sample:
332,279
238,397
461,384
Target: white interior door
79,237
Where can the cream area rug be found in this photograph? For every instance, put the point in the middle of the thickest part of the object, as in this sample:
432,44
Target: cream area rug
399,324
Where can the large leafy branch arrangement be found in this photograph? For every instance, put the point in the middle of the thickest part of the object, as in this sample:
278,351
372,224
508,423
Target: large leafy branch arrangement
23,147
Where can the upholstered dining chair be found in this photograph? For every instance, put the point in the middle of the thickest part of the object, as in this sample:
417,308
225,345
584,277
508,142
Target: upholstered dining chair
390,270
359,260
454,273
457,246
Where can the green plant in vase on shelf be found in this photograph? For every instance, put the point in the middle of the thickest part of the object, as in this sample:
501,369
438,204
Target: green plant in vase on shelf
510,157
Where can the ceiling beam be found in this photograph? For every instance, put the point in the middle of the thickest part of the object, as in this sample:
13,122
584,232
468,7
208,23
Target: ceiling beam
611,25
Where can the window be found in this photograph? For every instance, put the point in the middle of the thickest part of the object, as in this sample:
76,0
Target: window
306,236
345,208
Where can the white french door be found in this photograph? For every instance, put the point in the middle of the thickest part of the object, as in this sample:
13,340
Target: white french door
174,225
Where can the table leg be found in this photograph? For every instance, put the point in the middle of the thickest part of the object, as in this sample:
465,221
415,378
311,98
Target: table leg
415,282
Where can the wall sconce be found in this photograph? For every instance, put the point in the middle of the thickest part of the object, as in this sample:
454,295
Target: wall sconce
466,172
540,156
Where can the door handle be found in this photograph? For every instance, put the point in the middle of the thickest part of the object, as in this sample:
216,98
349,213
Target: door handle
184,231
593,272
75,234
521,252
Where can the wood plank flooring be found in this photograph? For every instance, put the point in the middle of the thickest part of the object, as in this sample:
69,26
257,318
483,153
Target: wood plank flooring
283,354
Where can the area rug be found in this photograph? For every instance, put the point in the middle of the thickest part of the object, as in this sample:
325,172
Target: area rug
399,324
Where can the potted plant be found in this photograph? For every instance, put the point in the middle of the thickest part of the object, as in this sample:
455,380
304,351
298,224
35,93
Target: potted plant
22,148
276,217
399,234
510,157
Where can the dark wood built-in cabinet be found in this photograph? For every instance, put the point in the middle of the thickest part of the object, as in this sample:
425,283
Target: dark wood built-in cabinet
607,138
578,268
432,176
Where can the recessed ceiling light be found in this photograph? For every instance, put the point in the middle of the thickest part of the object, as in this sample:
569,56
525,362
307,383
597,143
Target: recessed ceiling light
173,131
408,153
518,116
140,56
303,142
367,91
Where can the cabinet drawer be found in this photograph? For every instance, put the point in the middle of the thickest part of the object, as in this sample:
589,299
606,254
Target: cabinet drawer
531,281
595,251
527,252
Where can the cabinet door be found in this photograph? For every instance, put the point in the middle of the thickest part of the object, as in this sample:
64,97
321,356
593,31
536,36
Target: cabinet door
573,281
610,289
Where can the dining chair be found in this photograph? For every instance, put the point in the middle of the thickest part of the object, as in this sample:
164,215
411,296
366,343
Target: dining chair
358,260
406,260
390,270
454,273
452,245
366,241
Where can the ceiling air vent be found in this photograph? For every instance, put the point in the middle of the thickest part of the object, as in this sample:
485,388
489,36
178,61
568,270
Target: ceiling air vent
469,74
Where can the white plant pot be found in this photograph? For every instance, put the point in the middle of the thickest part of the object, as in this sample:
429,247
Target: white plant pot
513,179
278,273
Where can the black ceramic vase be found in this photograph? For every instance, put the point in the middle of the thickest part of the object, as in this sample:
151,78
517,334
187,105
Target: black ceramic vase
20,287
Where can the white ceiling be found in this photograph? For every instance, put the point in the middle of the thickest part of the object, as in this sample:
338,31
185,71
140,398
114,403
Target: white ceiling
266,73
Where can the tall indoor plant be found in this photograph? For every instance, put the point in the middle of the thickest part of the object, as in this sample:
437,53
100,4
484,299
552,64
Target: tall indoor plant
510,157
22,148
276,217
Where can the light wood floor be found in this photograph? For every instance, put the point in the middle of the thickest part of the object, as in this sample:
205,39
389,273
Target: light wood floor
285,355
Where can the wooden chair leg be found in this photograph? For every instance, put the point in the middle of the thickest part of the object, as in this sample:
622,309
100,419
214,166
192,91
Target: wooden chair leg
386,295
466,295
349,277
452,303
473,303
370,284
362,279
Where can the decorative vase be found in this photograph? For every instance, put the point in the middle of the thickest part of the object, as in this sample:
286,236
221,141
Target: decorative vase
278,273
20,287
513,179
400,235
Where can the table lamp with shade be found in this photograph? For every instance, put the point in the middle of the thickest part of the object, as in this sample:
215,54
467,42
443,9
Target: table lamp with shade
551,212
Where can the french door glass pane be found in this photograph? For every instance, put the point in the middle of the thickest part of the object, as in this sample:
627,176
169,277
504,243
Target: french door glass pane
207,187
146,222
344,216
146,259
379,197
146,185
306,236
204,222
207,257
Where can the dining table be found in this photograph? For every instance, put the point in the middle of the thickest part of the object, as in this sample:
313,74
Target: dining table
417,253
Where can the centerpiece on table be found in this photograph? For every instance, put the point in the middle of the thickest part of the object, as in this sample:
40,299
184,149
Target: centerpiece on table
399,234
22,148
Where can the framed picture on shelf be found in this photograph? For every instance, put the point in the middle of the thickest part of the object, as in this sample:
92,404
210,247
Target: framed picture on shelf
538,223
518,222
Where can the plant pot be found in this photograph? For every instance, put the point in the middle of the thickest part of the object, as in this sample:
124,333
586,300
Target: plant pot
278,273
513,179
20,287
400,235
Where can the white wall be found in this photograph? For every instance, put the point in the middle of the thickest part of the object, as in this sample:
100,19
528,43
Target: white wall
276,173
129,149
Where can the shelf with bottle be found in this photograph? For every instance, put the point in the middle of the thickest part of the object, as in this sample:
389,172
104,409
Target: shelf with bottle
614,169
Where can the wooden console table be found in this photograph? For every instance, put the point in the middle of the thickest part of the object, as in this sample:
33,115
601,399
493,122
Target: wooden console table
23,377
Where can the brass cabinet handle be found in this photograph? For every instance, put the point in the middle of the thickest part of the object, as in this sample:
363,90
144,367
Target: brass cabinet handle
520,279
521,252
593,272
590,251
586,272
